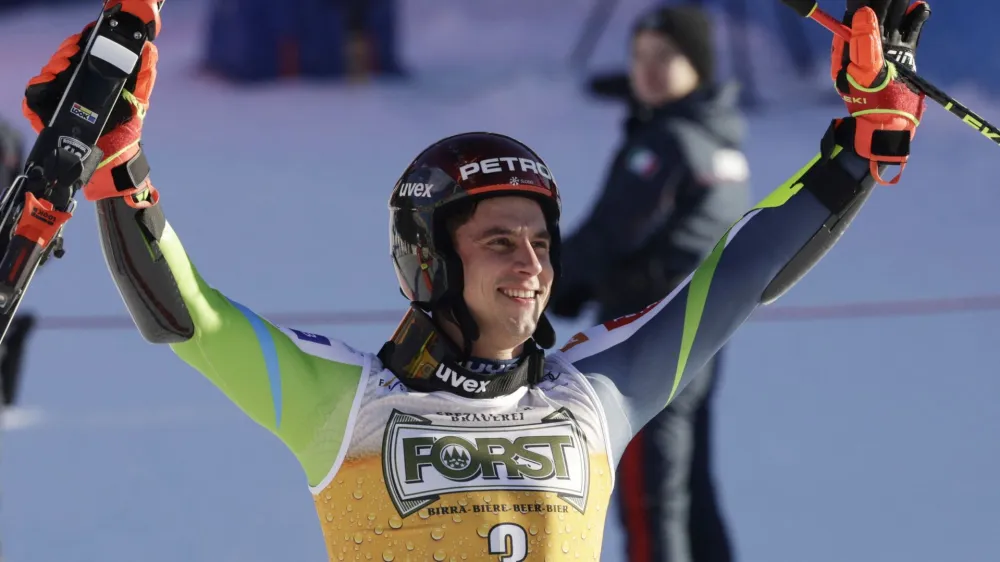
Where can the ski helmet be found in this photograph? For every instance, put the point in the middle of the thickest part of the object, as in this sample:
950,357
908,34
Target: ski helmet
459,169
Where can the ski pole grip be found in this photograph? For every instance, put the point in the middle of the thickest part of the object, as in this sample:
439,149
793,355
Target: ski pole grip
802,7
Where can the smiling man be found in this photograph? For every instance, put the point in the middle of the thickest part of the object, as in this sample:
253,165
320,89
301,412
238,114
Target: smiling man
461,438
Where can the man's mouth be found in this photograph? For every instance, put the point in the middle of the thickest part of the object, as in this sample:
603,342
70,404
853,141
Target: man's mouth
520,294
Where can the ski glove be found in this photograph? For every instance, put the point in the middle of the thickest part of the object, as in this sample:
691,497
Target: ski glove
884,111
122,171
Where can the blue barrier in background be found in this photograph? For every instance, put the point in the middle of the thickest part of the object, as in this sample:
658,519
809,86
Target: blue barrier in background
957,45
259,40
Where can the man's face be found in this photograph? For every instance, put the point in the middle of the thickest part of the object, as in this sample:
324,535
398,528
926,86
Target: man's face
658,71
508,274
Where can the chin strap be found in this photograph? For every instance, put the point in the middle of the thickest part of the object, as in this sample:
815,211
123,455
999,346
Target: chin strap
545,334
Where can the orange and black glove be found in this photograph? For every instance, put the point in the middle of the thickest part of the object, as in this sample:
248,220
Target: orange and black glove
884,110
122,170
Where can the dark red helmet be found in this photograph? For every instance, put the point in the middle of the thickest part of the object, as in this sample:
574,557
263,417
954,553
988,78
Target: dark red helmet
461,168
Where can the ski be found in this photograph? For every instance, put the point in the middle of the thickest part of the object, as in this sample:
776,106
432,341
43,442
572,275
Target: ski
34,209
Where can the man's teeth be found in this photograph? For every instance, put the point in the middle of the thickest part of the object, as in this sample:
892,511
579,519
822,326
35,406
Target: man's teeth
520,294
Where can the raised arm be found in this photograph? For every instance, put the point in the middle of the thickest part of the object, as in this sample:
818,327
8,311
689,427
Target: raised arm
290,382
301,387
639,363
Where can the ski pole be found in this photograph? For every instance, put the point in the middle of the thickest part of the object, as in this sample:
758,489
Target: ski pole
810,9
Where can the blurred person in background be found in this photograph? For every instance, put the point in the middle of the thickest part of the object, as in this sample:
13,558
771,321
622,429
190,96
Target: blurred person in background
676,183
12,348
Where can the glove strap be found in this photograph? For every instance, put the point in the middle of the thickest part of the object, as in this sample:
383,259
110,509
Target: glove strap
132,178
889,147
879,147
873,168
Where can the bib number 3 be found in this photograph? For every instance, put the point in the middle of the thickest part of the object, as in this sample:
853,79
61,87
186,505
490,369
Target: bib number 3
510,541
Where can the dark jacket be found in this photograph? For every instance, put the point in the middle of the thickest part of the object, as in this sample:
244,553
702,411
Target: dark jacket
13,346
11,162
676,184
11,154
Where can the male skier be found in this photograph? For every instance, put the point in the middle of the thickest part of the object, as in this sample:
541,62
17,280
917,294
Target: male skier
461,439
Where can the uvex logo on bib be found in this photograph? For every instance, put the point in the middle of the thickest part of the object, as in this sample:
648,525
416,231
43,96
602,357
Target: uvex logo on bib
422,461
456,380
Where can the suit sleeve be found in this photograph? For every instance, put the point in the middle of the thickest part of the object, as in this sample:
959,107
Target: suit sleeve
639,363
305,398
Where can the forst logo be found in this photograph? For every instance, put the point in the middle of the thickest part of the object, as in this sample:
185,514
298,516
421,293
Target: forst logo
505,164
460,459
421,460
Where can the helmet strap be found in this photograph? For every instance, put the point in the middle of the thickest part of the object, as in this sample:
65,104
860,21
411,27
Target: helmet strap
545,334
453,302
467,324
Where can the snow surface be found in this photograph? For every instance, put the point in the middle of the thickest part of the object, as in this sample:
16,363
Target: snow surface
837,440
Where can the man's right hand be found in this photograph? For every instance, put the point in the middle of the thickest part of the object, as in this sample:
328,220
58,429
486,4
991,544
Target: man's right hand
120,141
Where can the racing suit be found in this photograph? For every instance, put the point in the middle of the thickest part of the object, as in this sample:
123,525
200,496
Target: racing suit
403,475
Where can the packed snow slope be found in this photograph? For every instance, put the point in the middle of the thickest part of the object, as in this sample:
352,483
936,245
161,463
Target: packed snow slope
846,439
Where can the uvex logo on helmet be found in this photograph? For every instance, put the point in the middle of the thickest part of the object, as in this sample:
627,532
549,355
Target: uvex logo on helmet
416,189
504,164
